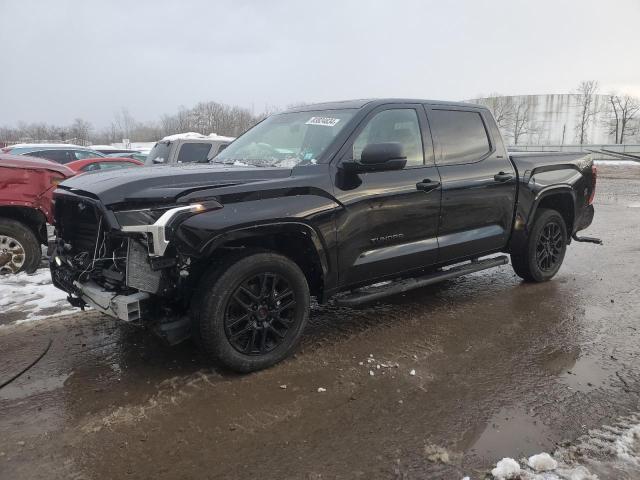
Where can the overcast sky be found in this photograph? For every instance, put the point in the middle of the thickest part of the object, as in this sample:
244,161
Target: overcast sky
65,59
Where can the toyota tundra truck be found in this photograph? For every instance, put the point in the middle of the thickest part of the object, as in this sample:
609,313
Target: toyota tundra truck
351,201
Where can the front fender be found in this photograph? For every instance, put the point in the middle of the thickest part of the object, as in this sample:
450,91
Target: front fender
268,229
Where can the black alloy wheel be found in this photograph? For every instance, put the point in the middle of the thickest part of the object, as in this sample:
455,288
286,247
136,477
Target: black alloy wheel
550,246
259,313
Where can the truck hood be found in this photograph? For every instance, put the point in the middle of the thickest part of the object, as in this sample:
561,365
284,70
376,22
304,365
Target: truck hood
164,184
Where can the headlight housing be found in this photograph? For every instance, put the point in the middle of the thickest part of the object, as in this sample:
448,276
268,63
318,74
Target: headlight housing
145,216
154,222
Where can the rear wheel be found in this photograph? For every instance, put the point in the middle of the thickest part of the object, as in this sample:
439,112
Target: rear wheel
19,248
544,251
252,312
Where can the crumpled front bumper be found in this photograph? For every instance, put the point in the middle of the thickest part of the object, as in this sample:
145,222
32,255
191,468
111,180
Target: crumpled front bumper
129,308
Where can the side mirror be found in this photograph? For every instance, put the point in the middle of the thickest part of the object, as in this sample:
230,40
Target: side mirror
378,157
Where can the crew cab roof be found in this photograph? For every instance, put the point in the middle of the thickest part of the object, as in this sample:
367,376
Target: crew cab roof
33,163
374,102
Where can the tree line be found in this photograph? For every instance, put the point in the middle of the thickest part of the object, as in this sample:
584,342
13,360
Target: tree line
204,118
620,116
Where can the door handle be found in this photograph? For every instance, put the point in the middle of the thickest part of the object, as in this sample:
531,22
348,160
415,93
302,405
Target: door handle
502,177
427,185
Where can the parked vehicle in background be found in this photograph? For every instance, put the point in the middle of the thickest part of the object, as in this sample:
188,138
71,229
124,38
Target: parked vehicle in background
102,164
26,189
142,157
187,148
60,153
111,150
325,200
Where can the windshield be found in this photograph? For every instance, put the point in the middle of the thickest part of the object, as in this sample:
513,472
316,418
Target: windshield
287,139
159,153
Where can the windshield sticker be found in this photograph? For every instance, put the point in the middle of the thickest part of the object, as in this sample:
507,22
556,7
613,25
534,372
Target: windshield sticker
324,121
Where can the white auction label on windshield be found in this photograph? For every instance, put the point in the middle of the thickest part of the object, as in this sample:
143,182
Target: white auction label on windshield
325,121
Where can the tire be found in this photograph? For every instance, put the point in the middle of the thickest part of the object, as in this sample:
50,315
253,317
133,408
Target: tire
249,313
19,248
542,256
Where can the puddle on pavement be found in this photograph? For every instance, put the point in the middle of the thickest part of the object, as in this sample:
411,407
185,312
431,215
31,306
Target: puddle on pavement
511,433
586,374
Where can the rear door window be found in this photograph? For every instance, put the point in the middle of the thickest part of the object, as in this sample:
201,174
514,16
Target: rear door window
193,152
461,136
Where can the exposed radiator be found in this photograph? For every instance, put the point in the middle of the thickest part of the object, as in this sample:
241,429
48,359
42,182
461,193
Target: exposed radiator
139,273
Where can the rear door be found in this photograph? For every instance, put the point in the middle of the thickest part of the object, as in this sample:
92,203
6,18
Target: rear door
388,223
478,183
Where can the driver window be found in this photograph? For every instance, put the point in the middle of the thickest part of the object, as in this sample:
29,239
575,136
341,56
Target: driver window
400,125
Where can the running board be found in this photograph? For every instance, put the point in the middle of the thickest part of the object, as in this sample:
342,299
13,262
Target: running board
370,294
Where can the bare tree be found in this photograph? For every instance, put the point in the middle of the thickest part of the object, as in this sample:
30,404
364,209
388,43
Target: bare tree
80,131
502,109
521,123
124,123
585,97
623,109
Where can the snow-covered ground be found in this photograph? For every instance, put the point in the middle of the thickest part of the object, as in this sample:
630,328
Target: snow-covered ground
31,297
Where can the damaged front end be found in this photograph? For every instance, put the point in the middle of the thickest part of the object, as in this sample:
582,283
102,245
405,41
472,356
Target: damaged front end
122,262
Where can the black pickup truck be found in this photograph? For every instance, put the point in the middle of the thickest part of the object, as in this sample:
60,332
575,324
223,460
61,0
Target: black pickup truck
352,200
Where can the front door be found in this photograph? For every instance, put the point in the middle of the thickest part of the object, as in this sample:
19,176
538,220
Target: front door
389,219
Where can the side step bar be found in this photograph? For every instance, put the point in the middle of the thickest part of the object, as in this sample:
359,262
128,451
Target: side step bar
370,294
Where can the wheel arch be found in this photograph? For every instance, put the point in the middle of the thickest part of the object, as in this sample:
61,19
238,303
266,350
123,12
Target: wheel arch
561,199
295,240
29,216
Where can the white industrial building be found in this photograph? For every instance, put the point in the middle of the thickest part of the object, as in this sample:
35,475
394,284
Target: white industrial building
552,119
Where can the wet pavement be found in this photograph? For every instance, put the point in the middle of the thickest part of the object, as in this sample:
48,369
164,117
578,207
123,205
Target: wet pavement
438,383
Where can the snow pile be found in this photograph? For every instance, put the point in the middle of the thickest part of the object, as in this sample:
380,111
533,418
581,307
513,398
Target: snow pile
612,451
196,136
618,163
32,297
628,445
542,462
506,469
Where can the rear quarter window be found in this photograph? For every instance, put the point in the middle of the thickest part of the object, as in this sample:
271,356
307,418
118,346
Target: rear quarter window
461,136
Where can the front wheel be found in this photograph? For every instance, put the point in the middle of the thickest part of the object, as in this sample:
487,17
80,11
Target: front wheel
542,256
252,313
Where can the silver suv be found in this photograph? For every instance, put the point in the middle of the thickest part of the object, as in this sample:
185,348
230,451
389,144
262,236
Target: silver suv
187,148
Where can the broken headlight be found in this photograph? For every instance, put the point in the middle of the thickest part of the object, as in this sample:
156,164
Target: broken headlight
146,216
154,222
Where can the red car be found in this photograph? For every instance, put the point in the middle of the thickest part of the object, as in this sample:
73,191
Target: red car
26,190
100,164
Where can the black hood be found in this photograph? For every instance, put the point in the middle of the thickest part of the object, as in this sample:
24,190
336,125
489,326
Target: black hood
165,183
